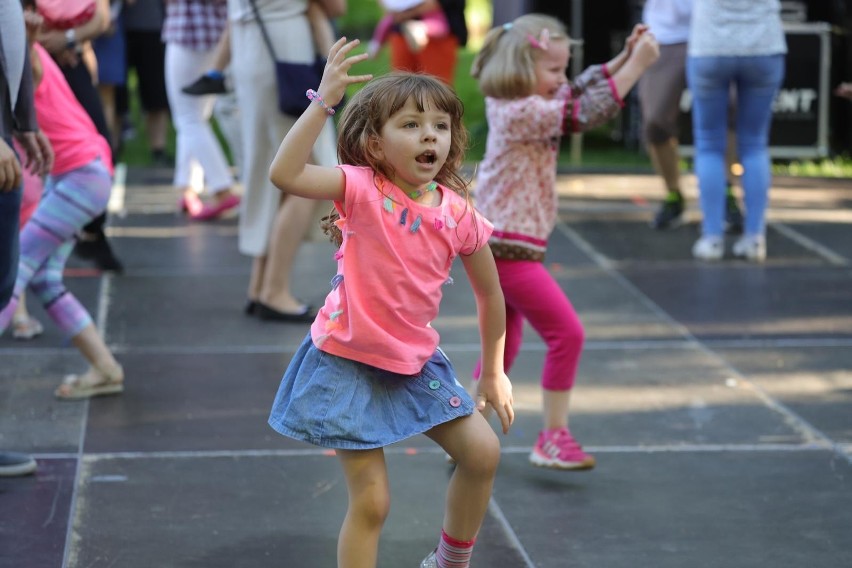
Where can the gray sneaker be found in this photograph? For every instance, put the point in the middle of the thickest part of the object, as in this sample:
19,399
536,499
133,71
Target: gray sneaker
430,561
14,464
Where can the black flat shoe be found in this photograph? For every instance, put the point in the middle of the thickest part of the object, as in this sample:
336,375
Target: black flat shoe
97,250
251,307
266,313
206,85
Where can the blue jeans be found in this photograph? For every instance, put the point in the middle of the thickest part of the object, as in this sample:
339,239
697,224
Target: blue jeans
10,210
757,80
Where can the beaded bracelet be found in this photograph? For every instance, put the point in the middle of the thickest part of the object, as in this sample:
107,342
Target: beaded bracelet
315,96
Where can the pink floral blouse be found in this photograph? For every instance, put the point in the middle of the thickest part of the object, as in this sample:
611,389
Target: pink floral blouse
515,183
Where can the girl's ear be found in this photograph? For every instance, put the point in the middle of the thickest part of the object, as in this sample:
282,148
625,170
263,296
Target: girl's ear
375,148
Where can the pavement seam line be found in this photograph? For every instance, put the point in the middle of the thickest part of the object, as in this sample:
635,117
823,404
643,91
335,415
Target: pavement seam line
321,452
797,423
821,250
509,532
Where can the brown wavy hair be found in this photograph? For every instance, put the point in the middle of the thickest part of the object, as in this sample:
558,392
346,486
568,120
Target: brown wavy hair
370,108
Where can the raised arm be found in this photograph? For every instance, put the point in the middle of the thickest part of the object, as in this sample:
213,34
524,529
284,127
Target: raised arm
290,171
644,53
493,387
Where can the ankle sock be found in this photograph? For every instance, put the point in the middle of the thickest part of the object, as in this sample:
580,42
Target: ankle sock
215,74
453,553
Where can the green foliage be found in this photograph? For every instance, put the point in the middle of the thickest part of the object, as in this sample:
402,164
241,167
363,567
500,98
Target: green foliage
836,167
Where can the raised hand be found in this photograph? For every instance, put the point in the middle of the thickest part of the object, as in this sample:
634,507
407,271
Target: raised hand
336,77
630,42
647,50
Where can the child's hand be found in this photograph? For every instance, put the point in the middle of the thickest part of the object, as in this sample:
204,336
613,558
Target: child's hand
646,51
630,42
844,90
496,392
33,22
335,77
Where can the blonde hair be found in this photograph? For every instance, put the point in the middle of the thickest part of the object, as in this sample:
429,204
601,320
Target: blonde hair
505,66
370,108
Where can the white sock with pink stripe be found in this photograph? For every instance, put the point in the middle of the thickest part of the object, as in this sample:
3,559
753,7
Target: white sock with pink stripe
453,553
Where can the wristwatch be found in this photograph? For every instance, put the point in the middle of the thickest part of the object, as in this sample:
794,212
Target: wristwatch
70,39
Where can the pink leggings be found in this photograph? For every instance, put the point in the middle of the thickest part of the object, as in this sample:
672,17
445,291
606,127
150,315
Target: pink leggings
532,294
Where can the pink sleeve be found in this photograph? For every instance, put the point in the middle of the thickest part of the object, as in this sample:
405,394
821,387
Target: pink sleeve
478,230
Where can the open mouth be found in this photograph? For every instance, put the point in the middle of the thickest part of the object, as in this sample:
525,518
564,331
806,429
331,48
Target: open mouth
427,157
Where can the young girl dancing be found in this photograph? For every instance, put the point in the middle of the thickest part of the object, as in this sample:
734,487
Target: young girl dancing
529,105
76,191
370,372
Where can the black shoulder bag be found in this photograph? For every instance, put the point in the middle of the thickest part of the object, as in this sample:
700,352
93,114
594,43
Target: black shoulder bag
293,79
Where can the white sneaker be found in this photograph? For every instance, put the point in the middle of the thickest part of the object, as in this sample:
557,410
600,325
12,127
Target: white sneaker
709,248
430,561
751,247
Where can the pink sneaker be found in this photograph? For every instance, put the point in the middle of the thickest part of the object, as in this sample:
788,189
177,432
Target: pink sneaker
558,449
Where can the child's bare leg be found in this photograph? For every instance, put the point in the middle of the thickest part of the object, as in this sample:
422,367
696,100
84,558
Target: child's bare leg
474,446
369,503
555,406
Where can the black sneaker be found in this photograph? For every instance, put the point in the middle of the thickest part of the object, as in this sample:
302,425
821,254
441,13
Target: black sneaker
206,85
13,464
97,249
733,216
670,215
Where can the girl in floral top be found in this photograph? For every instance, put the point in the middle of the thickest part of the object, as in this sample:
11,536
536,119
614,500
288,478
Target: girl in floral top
370,372
529,105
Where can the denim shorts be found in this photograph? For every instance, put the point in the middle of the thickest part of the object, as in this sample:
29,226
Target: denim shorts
338,403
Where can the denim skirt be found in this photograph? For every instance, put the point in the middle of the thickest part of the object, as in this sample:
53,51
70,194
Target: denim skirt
338,403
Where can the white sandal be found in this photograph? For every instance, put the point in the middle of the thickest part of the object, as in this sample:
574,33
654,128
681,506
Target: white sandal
97,381
26,327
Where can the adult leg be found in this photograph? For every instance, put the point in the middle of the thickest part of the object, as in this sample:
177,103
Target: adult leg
369,503
438,57
660,89
150,69
92,241
758,81
10,205
191,114
227,113
291,225
709,80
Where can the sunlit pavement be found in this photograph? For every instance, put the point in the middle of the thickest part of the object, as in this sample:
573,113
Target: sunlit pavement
717,398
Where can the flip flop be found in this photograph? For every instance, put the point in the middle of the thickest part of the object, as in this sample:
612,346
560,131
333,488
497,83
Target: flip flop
93,382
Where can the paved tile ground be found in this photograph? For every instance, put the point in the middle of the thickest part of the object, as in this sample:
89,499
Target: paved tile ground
716,397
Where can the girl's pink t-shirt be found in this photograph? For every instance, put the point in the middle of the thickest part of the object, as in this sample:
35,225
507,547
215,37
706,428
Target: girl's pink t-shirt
63,120
394,261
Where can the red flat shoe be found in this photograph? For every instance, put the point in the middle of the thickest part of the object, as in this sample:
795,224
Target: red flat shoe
192,205
210,212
